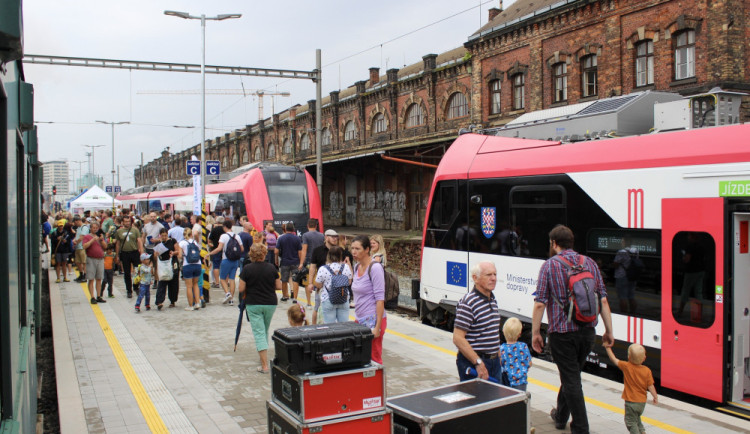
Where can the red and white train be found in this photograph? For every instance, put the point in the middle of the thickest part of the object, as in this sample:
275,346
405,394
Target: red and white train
681,199
262,191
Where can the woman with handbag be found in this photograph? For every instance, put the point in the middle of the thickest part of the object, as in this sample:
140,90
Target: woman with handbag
168,270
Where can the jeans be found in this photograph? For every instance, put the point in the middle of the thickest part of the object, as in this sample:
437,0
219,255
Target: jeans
170,286
129,259
493,367
145,291
109,276
569,350
334,312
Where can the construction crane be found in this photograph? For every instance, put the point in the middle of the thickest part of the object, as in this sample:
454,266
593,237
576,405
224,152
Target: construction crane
260,93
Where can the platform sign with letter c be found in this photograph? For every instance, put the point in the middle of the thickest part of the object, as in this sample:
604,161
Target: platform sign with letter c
213,167
193,167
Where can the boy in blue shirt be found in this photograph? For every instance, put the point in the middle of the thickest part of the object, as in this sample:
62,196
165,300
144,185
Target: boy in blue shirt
515,357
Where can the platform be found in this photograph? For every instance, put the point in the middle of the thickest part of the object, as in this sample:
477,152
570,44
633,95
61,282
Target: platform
175,371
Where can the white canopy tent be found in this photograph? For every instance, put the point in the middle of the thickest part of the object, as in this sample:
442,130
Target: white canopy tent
94,198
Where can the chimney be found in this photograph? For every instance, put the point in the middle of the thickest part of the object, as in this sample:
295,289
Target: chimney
493,12
392,75
430,61
335,97
360,86
374,75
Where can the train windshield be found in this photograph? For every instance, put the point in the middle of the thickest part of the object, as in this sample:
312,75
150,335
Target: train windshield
288,199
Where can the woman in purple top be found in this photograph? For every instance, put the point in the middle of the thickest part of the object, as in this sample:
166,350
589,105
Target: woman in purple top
369,293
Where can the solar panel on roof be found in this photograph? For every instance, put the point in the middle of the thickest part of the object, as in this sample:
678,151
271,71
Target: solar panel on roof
607,105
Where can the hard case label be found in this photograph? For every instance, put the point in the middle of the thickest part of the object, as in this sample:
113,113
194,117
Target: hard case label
372,402
332,358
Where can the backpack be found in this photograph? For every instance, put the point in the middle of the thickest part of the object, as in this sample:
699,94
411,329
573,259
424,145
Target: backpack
582,304
193,253
634,269
233,250
338,290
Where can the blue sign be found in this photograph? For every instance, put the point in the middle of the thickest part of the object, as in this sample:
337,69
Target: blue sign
193,167
455,273
108,189
213,167
118,189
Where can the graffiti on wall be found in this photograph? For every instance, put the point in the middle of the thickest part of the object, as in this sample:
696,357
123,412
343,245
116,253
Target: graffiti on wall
389,205
336,204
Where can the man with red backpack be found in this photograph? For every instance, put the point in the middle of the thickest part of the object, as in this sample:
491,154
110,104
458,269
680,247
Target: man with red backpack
568,282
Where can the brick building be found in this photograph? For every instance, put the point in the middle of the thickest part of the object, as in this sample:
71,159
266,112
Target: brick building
382,137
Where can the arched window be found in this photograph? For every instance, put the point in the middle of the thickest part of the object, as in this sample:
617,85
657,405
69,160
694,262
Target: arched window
457,106
589,76
560,82
495,97
258,153
644,63
414,116
224,161
350,131
287,146
325,136
304,143
684,55
518,91
378,124
245,157
271,151
234,159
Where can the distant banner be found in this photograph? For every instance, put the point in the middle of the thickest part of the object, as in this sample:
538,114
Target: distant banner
196,192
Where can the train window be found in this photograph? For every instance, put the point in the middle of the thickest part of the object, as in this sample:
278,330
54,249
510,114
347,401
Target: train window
693,271
288,198
535,210
447,219
630,264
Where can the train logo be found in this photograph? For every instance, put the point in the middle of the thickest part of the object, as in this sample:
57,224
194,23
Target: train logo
489,221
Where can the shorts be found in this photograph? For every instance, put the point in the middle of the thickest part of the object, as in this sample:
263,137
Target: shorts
191,271
80,256
216,260
286,272
61,258
94,268
228,268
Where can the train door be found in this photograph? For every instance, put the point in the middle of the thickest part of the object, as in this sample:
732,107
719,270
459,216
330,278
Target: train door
693,296
740,273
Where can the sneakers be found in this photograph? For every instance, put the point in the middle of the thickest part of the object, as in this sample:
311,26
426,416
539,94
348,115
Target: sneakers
100,300
558,424
227,298
93,300
196,306
190,308
171,305
66,280
130,295
284,298
111,296
58,280
137,309
231,302
294,301
159,306
148,307
203,303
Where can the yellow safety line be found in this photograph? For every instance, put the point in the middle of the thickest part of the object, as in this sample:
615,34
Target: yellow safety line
153,419
726,410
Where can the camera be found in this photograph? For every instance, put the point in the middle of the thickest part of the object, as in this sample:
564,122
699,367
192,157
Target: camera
299,275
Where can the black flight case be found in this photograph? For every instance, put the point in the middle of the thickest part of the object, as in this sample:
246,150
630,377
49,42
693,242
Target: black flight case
322,347
475,406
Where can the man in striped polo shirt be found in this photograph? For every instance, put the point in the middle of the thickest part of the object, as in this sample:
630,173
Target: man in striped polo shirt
569,342
476,330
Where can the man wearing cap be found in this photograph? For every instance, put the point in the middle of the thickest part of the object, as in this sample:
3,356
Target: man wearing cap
128,246
318,259
80,254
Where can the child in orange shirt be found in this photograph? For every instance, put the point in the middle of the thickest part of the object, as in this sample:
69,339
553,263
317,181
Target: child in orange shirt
109,270
637,379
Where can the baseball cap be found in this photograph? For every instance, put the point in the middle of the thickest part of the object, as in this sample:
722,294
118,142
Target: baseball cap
331,233
61,223
145,256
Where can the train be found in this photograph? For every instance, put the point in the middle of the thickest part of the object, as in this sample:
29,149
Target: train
21,274
679,200
263,191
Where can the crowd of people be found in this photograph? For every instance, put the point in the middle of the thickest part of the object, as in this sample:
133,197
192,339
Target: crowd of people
153,250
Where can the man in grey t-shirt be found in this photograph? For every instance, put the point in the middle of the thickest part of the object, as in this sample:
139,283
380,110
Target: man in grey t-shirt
151,233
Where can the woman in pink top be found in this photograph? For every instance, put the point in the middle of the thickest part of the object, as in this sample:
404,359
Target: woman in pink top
368,287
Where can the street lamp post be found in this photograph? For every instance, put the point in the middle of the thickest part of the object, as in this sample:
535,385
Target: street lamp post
203,19
112,124
91,168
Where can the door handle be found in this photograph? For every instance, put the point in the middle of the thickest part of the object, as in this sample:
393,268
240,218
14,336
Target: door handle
676,335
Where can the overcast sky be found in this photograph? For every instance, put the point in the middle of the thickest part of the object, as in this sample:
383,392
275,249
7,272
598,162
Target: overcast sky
270,34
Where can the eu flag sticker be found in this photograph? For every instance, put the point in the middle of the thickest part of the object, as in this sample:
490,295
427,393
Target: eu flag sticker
456,273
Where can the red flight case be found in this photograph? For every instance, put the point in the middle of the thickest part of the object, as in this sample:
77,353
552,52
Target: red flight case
281,422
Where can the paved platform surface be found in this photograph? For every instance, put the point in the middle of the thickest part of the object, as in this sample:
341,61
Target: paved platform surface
175,371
